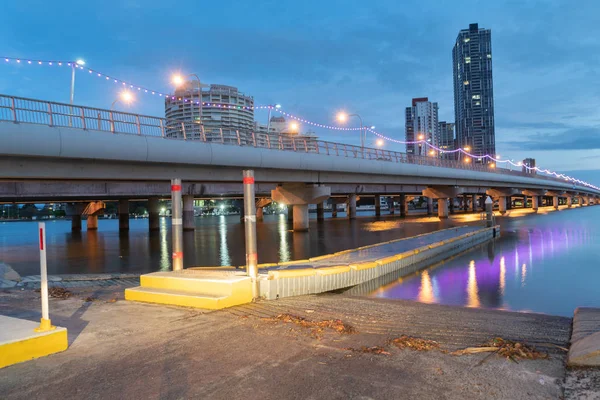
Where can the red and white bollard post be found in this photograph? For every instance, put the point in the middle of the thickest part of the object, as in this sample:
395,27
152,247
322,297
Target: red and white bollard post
176,224
45,324
250,227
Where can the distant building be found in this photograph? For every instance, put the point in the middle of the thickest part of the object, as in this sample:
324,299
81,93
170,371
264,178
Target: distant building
446,139
529,162
474,91
421,124
225,111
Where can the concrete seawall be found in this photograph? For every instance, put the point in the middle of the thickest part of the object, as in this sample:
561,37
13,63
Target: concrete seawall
333,272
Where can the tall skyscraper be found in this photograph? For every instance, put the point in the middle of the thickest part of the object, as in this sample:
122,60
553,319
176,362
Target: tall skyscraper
446,139
421,124
473,91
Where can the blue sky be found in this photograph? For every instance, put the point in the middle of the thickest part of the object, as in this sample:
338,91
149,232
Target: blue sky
316,58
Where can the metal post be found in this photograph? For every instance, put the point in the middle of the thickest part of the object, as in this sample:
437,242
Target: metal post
83,123
50,118
250,227
112,122
489,212
183,130
99,122
177,225
45,324
162,128
137,122
13,109
72,91
221,133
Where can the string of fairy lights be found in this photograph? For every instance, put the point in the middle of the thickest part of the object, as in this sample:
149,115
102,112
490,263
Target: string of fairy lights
80,65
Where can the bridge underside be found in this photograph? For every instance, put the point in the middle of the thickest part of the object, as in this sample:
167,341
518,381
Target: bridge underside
56,179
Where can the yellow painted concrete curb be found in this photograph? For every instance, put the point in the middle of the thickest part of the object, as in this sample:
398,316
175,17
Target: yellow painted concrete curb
33,347
364,265
340,269
292,273
387,260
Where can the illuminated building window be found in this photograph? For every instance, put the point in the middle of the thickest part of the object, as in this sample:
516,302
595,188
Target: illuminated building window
466,82
467,60
489,56
466,40
476,97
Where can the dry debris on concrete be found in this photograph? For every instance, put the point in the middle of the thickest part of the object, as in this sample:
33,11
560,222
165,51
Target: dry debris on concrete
317,327
58,293
407,342
506,348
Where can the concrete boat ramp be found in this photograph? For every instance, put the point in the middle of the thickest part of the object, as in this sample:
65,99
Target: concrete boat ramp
216,288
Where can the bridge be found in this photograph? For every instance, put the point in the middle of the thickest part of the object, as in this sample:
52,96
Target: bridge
62,152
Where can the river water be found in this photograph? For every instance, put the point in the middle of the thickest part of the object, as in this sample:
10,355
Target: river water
542,263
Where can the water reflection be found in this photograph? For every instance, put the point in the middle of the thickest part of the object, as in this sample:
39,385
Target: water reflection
223,247
472,290
216,241
426,294
561,248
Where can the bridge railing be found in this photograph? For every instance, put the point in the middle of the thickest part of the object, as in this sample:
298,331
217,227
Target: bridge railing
23,110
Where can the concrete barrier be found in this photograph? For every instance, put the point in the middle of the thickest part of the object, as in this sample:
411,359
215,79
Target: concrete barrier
310,280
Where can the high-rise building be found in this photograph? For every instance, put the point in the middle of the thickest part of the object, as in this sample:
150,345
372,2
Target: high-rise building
473,91
446,139
421,124
529,162
226,112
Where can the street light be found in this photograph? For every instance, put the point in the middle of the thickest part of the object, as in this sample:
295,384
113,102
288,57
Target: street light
379,142
271,106
74,65
124,96
420,137
179,80
342,117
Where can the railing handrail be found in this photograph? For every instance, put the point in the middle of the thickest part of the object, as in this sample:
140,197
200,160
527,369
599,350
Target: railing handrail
192,130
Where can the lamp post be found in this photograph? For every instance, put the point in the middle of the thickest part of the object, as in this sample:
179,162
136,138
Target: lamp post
420,137
74,65
124,96
342,117
270,107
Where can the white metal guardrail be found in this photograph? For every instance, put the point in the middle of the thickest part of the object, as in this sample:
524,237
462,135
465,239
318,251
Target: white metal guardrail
31,111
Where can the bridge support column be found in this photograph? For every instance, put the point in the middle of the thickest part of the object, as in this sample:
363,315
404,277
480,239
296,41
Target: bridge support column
300,196
76,223
555,202
153,214
321,211
535,203
290,213
123,215
525,201
188,212
465,203
429,206
443,194
502,205
442,208
391,209
352,206
403,206
260,214
378,206
569,201
92,223
451,205
300,212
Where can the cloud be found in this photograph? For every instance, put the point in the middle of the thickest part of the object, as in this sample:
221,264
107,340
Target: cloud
585,138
